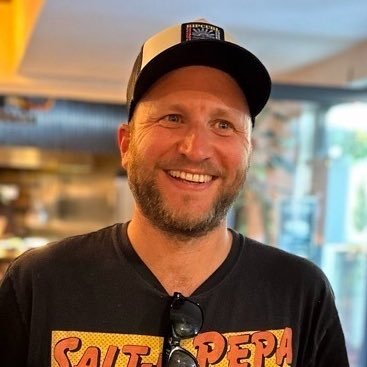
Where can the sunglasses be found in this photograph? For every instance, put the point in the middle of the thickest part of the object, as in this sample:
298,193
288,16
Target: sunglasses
186,319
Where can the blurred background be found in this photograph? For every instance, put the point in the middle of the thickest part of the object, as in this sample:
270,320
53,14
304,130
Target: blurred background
64,66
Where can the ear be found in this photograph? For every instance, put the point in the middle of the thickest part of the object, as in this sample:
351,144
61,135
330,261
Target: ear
124,142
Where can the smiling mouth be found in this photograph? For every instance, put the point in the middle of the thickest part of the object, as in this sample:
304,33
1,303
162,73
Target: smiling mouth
191,177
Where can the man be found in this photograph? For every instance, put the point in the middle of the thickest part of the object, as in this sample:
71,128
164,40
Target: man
175,286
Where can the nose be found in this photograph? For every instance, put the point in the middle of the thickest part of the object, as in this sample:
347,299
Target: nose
196,144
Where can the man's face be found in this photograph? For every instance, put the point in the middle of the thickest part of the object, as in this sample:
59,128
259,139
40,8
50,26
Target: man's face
187,151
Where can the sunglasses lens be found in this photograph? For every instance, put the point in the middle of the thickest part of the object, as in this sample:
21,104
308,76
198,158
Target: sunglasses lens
186,318
181,359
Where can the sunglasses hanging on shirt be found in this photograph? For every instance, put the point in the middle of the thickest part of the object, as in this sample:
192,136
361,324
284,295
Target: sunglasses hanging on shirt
186,320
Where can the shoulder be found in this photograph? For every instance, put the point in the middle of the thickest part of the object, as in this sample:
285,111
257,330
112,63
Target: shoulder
269,262
275,256
66,251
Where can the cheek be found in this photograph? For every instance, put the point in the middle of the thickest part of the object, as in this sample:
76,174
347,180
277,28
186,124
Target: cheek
146,153
157,144
237,155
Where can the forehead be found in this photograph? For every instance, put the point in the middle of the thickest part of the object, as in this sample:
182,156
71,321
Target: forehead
198,81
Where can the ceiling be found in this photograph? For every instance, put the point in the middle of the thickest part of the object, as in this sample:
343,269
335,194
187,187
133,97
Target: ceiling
85,49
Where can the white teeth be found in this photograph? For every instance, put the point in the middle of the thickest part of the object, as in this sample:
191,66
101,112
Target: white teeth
191,177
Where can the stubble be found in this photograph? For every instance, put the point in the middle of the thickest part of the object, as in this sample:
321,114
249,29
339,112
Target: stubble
176,222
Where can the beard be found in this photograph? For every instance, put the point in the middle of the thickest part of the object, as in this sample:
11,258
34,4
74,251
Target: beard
177,222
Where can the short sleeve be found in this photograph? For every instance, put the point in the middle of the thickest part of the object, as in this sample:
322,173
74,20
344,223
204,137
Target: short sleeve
13,334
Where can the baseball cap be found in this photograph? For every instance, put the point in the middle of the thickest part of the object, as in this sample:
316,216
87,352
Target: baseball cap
198,43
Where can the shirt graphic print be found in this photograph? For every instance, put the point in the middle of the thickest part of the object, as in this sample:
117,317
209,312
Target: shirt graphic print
270,348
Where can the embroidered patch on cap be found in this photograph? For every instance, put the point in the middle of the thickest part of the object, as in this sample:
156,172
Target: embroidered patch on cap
200,31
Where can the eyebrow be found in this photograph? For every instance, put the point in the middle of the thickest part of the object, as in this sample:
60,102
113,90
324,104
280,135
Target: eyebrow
224,112
217,111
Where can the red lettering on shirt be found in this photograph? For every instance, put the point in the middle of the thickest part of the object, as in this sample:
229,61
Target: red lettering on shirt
135,352
265,345
90,358
237,350
284,351
211,347
63,347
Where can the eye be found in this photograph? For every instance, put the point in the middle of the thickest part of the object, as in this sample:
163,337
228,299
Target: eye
223,127
172,118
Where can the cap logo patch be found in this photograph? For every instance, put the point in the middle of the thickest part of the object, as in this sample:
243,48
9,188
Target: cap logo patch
200,31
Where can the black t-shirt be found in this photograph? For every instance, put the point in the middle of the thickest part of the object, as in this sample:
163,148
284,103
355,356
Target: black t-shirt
89,300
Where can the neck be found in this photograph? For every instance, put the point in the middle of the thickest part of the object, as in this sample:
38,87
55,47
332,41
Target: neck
179,264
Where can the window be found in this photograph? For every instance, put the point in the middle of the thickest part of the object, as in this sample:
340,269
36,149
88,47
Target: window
307,194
